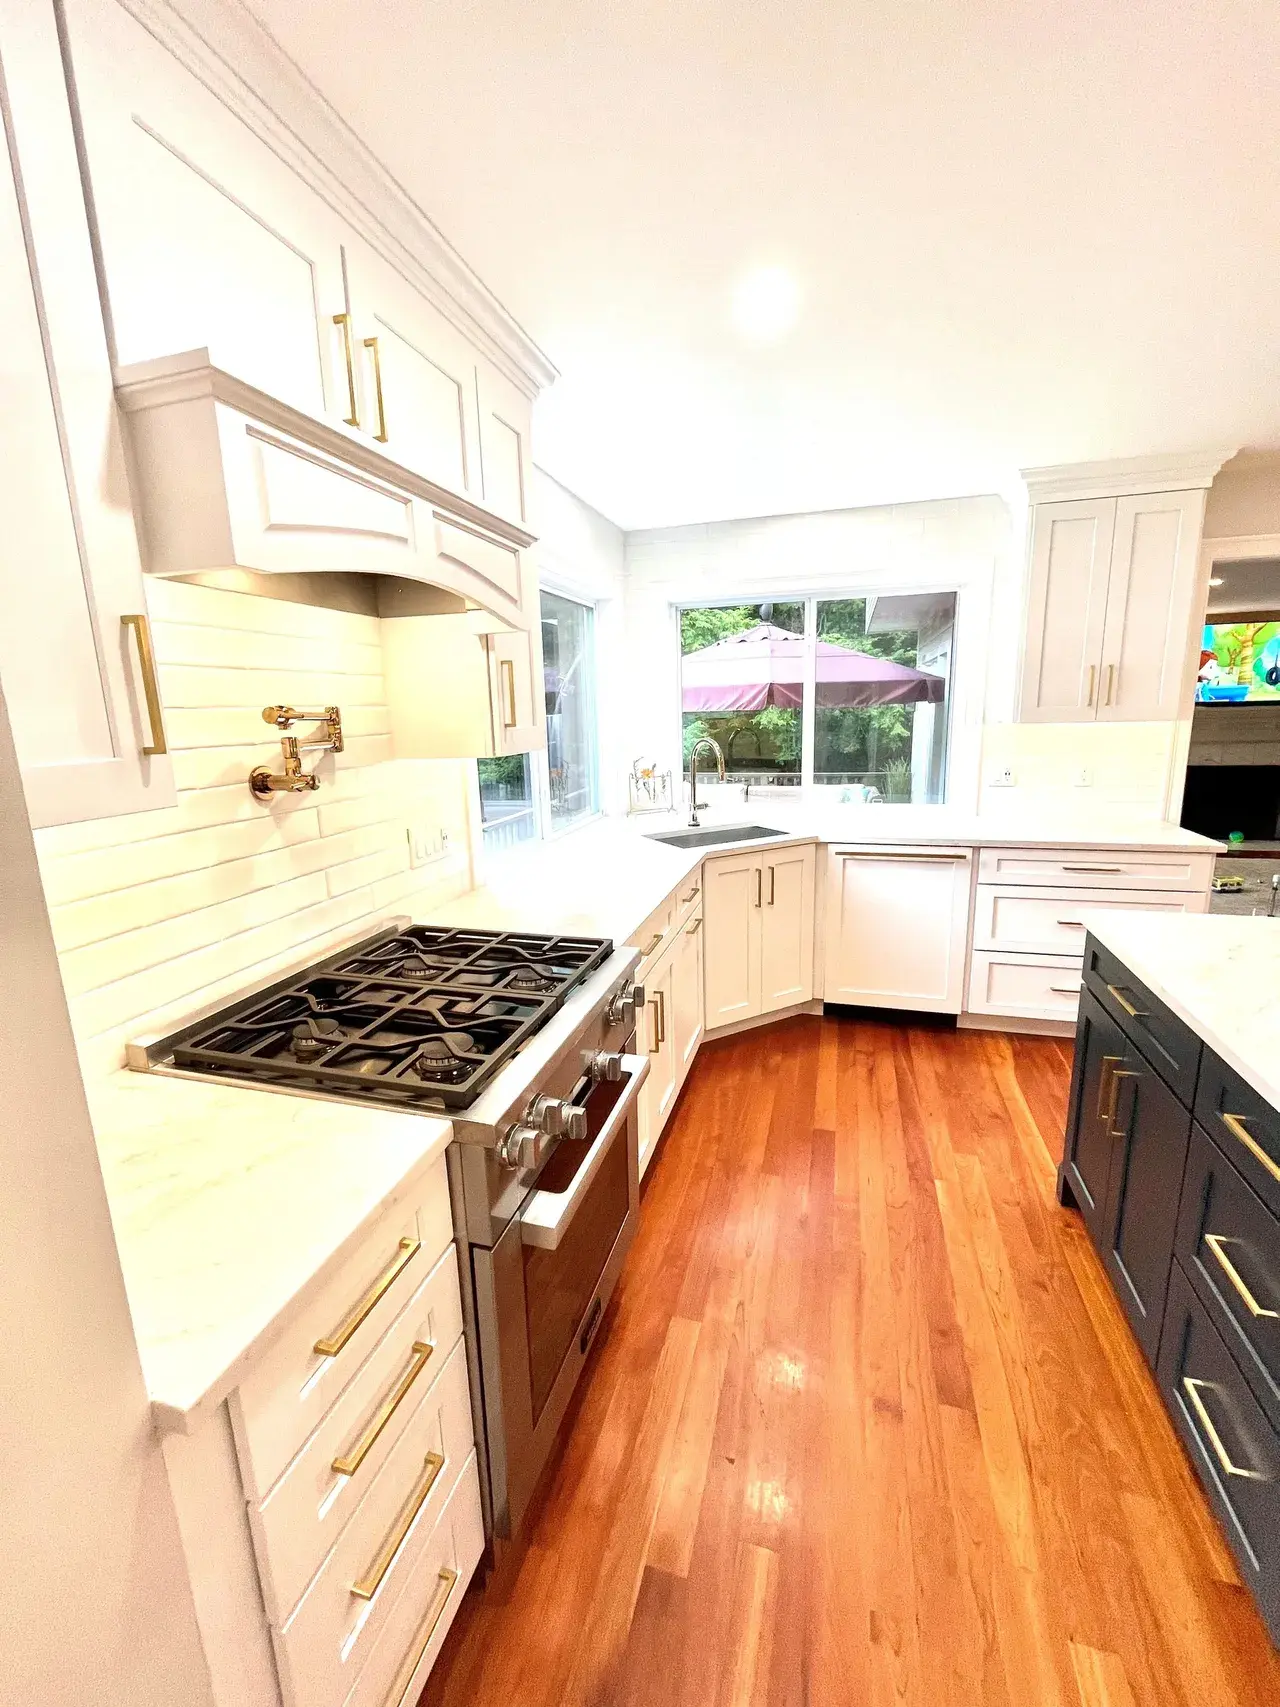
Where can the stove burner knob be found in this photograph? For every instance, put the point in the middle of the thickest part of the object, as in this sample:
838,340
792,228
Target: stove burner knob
626,1004
547,1114
523,1147
575,1123
605,1068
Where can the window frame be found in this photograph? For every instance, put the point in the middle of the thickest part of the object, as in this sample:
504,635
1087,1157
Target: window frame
549,830
810,597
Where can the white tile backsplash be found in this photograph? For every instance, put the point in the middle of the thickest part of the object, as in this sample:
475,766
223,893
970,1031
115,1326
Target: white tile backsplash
158,913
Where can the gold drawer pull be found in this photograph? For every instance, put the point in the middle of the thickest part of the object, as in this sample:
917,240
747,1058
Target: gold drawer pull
694,928
435,1612
344,320
1066,989
348,1465
371,1581
360,1311
1215,1242
1192,1387
1075,924
1235,1125
649,947
692,895
1133,1013
371,344
1098,870
151,692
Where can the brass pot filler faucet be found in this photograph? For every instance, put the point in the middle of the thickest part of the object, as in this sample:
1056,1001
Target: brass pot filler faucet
293,779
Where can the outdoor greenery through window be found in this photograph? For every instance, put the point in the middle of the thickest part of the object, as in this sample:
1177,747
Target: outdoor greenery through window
848,693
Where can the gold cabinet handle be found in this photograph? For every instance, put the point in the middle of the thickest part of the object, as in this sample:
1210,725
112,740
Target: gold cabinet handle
1098,870
692,895
656,1044
651,945
1133,1013
350,1462
694,928
1111,676
1215,1242
1117,1074
773,872
150,688
344,320
759,884
662,1016
435,1612
359,1312
1067,989
1235,1125
1191,1387
1109,1064
371,344
1093,682
1075,924
509,673
369,1584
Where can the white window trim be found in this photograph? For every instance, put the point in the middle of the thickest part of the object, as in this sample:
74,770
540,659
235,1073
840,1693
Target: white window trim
548,830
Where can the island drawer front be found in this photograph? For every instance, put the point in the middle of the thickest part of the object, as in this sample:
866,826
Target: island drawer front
1243,1125
326,1640
1022,919
401,1659
1095,868
1024,986
1229,1244
657,930
1233,1447
287,1391
1171,1047
304,1513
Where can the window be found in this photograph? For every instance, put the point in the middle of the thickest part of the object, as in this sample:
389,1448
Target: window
507,811
568,667
849,693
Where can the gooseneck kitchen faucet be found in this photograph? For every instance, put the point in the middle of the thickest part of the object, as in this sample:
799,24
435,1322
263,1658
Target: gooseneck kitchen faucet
698,745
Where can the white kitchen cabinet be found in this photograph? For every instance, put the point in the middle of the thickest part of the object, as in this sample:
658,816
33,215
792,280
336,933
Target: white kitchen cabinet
655,1034
505,413
453,692
1109,611
758,909
896,927
208,240
75,661
686,994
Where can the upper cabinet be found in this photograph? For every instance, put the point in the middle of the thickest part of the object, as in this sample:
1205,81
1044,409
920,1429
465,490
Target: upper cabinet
75,657
1113,584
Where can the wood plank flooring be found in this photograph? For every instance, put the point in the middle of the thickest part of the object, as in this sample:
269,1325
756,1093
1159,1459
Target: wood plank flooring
866,1424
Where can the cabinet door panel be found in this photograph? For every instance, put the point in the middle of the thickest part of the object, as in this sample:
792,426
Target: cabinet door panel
515,657
732,898
208,240
504,444
786,929
1091,1148
1153,572
1152,1130
896,926
1066,609
686,995
655,1034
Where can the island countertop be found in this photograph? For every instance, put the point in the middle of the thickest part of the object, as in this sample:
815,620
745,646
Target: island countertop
1219,973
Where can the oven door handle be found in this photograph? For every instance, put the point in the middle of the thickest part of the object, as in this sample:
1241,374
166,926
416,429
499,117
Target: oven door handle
548,1215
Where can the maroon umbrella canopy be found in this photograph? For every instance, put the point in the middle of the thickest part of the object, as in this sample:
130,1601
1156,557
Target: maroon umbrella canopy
764,666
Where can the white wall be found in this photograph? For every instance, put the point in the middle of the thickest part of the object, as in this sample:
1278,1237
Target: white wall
1244,499
96,1606
581,553
159,912
965,544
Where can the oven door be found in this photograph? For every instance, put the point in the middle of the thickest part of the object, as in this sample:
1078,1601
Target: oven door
542,1289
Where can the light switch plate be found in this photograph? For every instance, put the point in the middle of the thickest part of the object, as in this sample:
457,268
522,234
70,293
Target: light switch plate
1003,778
427,841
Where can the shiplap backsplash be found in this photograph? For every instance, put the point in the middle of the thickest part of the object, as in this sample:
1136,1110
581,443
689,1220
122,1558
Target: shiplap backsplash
159,912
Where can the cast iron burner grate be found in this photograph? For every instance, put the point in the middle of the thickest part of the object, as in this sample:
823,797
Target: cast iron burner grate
422,1018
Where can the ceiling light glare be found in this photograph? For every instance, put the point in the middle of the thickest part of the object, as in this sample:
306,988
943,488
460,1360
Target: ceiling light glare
766,304
1215,580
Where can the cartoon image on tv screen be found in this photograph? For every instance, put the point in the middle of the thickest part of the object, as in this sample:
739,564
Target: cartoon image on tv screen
1239,661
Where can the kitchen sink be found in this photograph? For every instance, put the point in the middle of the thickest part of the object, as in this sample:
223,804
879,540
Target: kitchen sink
713,838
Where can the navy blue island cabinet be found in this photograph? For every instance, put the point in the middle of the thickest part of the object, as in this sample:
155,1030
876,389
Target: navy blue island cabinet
1173,1161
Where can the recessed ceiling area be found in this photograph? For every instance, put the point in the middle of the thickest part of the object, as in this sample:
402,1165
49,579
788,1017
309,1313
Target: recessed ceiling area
1017,234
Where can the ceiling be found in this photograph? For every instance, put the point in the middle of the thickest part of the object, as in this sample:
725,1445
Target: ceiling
1022,233
1246,586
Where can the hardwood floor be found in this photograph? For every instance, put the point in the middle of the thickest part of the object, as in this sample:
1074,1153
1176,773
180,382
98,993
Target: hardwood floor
866,1424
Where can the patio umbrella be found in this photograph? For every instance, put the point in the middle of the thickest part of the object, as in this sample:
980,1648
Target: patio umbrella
764,666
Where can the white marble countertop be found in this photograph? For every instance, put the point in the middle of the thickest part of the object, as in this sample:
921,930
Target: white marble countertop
1219,973
607,877
228,1205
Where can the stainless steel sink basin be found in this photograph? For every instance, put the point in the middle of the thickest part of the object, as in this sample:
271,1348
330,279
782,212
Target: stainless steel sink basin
713,838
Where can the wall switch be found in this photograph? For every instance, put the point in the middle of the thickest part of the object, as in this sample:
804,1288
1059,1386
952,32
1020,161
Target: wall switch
1084,777
1003,778
426,842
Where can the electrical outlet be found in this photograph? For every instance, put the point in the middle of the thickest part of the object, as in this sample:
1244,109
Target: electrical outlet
1003,778
1084,777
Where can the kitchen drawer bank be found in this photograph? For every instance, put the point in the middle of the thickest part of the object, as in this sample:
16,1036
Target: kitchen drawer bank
330,1507
1174,1163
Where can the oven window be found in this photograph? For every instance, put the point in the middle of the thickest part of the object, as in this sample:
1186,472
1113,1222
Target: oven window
558,1284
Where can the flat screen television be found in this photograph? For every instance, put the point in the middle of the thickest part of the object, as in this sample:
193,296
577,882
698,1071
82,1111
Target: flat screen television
1239,663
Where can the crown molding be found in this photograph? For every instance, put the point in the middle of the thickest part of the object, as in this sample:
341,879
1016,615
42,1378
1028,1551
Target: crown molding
242,65
1125,476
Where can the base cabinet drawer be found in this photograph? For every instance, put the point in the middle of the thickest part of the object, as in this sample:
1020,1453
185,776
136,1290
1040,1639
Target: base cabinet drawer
283,1398
1172,1048
1235,1450
406,1650
1095,868
1024,919
1244,1125
324,1643
1024,986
